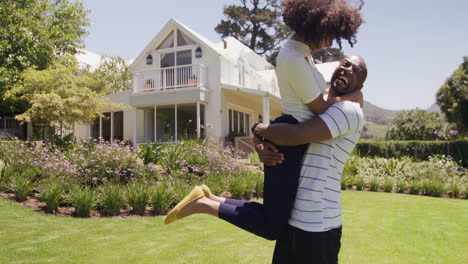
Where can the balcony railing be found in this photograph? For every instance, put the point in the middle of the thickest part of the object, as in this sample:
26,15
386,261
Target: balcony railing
193,75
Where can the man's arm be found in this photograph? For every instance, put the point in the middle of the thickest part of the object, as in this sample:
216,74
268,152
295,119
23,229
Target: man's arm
311,130
338,120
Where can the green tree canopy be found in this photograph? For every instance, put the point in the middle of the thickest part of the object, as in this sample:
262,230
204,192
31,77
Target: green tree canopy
112,76
58,95
328,55
416,124
257,24
452,97
34,33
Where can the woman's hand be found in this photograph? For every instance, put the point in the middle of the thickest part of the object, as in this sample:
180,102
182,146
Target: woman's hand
268,153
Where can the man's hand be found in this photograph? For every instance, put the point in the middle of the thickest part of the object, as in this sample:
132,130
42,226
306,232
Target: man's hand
268,153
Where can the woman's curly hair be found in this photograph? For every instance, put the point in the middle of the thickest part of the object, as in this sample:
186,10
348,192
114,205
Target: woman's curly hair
316,20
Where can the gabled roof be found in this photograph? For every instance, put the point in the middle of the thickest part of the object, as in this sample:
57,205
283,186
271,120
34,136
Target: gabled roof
171,25
236,50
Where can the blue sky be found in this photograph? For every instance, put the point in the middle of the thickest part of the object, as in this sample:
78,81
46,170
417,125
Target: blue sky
411,46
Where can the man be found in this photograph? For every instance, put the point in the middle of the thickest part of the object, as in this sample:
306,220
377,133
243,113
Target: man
314,231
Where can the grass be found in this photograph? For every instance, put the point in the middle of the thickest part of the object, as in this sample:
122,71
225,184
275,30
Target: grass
379,228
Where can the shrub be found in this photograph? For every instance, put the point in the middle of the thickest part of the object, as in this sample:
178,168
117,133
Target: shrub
373,184
419,150
387,185
259,183
236,187
161,199
52,194
453,189
138,196
83,200
415,187
21,185
151,152
433,188
401,186
254,158
112,198
359,183
416,124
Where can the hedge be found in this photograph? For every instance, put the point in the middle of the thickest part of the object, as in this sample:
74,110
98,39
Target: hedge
419,150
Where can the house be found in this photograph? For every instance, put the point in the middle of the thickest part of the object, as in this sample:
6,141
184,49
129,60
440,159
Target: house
185,86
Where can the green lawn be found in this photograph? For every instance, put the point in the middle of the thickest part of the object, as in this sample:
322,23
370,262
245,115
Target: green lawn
379,228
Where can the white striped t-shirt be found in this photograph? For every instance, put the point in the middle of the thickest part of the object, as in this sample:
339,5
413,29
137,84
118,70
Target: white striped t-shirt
317,207
299,80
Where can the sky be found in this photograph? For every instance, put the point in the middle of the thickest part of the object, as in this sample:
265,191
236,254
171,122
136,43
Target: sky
411,46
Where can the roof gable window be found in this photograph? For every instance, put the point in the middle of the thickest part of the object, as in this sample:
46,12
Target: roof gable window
183,40
168,42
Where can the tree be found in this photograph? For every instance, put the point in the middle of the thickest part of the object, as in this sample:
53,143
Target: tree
58,96
416,124
35,33
257,24
112,76
328,55
452,97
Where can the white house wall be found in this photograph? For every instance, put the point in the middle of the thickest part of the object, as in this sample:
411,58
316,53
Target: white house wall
248,103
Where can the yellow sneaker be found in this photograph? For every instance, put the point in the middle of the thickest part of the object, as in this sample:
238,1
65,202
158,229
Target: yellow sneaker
193,195
206,190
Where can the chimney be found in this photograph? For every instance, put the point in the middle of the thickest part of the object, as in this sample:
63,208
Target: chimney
225,44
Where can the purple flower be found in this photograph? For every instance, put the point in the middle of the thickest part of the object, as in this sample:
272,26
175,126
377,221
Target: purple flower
94,179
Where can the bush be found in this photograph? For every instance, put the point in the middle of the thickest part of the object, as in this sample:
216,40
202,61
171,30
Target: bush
433,188
21,185
161,199
138,196
83,200
237,187
112,198
151,152
416,124
359,183
419,150
387,185
373,184
401,186
52,194
415,187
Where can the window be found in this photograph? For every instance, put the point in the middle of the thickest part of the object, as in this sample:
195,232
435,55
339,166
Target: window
118,125
239,122
183,40
186,121
168,42
165,123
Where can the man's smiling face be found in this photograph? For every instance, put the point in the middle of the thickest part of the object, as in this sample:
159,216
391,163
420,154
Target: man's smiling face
349,75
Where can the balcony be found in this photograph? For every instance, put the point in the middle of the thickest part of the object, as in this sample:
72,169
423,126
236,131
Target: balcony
170,78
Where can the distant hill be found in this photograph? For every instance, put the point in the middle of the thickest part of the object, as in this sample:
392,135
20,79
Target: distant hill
434,108
378,115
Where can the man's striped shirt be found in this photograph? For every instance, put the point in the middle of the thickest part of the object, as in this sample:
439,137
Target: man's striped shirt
317,207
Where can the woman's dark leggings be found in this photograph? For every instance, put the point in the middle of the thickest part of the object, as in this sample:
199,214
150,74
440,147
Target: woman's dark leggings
279,192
